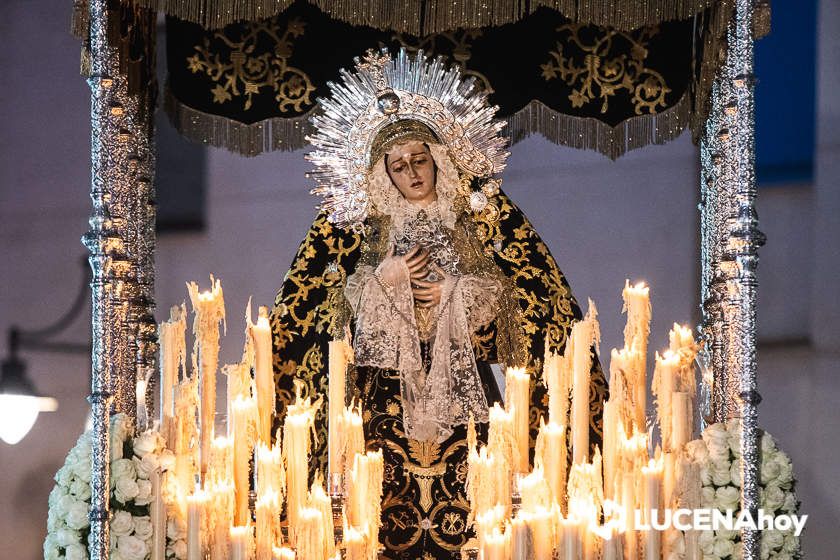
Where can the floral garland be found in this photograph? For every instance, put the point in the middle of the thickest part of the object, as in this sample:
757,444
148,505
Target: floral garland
133,462
718,454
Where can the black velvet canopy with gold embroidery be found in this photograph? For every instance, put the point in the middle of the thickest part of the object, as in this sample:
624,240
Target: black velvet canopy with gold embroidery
307,312
250,86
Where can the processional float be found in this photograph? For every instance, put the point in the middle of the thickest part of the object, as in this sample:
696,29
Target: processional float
118,56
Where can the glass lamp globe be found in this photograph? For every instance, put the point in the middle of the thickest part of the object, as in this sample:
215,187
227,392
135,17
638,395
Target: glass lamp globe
19,402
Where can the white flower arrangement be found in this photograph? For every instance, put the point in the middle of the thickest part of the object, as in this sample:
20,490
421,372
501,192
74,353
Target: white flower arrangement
719,455
133,462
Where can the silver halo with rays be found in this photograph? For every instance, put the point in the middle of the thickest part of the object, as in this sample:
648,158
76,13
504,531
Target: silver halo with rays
384,90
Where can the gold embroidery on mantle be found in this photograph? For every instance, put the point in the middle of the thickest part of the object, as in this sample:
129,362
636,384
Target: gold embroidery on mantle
596,73
245,73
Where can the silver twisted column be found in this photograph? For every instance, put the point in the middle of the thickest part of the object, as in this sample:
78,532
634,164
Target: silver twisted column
121,242
730,237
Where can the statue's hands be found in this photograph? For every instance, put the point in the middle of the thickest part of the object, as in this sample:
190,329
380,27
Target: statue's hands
427,294
416,261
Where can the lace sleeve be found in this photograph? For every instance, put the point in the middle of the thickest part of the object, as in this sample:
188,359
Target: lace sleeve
481,297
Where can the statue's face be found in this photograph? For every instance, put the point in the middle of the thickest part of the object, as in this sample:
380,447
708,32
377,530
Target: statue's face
412,170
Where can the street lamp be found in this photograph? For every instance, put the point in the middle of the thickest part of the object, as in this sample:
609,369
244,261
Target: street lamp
20,403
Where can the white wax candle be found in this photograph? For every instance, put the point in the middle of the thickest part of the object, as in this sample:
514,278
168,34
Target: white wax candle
497,545
540,524
551,452
263,372
669,478
267,509
223,493
665,372
355,544
283,553
584,334
171,337
517,400
309,535
240,542
157,514
244,429
534,490
571,546
142,411
610,427
319,501
681,415
196,511
300,421
209,309
338,354
353,436
628,500
652,477
520,539
636,332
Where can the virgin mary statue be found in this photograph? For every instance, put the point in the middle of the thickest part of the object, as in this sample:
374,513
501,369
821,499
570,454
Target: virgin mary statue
436,274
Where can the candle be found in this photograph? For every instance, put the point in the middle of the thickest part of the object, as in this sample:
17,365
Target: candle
550,451
652,478
209,309
309,535
221,459
240,542
355,543
669,478
541,527
263,371
681,414
636,332
300,422
283,553
610,427
520,539
664,373
339,353
320,501
517,401
269,464
172,341
557,376
140,399
196,519
157,515
584,334
534,490
501,446
222,493
571,545
497,545
353,437
244,430
267,510
628,500
364,492
186,439
608,539
481,490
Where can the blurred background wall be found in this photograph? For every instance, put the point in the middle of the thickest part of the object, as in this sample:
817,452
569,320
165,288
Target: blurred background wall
604,221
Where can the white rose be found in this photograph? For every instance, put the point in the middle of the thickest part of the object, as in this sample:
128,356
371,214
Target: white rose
769,471
765,550
720,473
175,530
782,555
791,543
126,490
733,425
64,476
76,552
81,468
727,498
723,547
122,524
115,554
51,548
179,549
707,542
697,450
63,504
77,516
121,426
65,537
707,497
716,438
706,475
718,453
146,443
775,539
143,528
726,534
144,495
768,446
167,460
80,490
772,497
735,472
122,468
789,505
738,551
146,466
785,469
132,548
